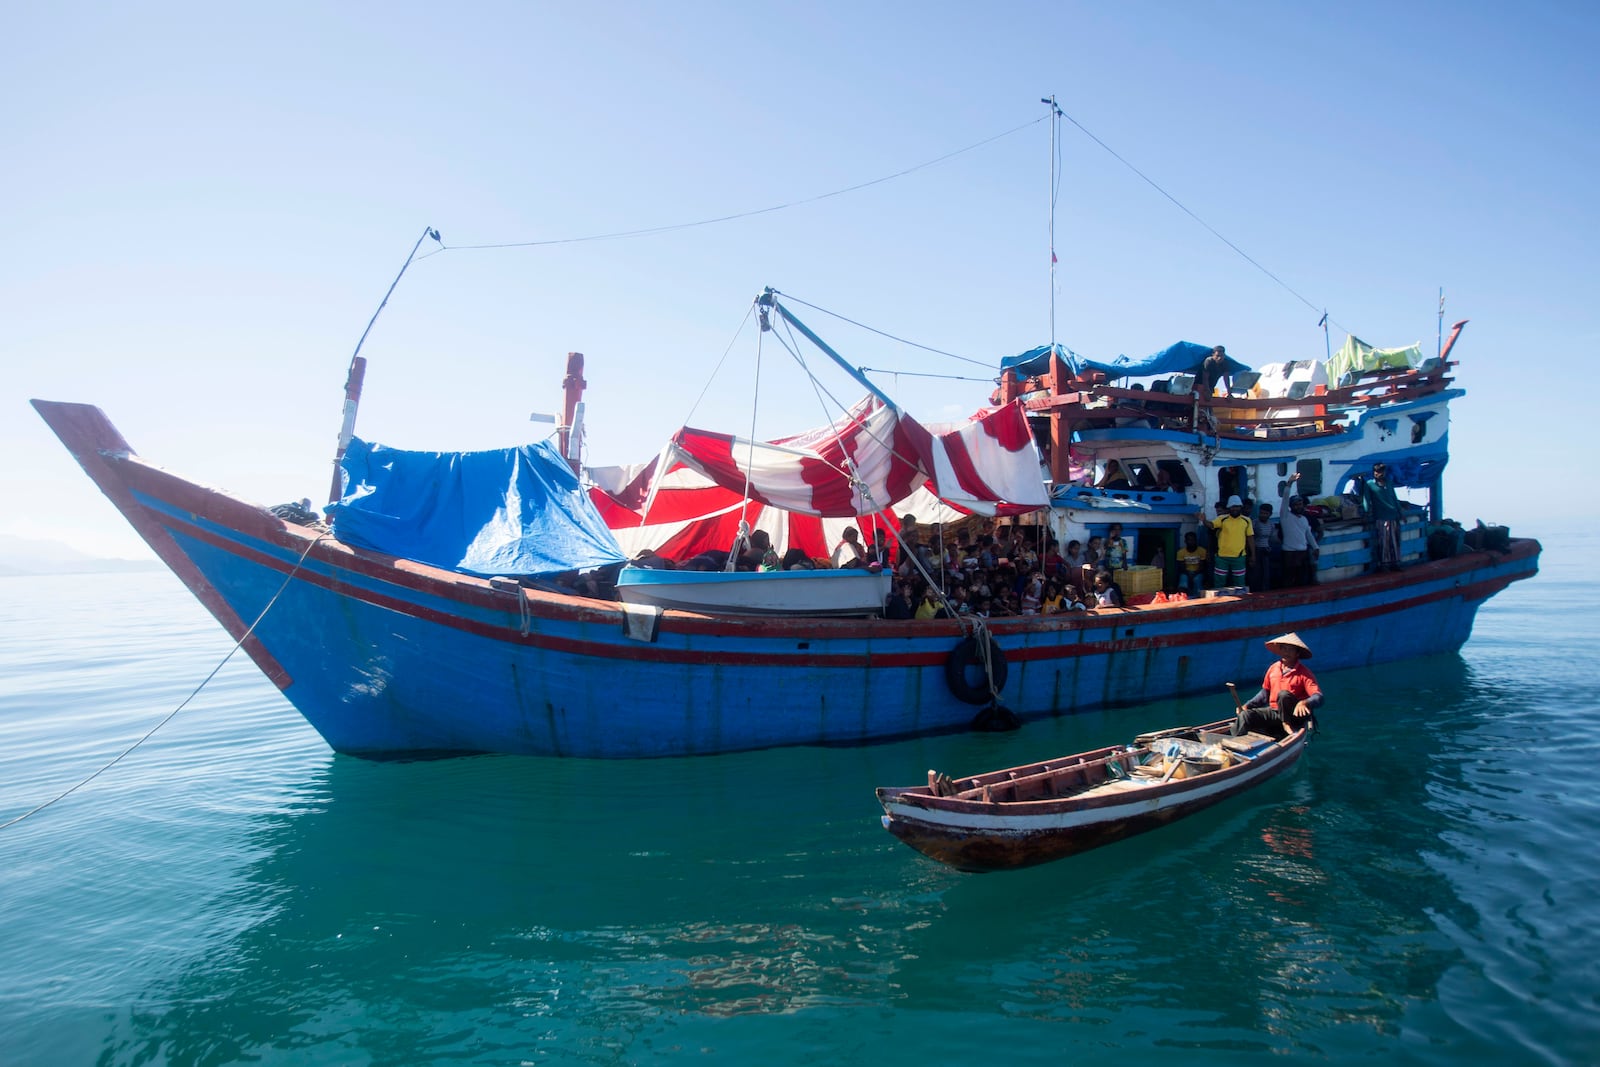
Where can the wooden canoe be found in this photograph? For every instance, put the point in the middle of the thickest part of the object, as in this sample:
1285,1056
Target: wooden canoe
1044,811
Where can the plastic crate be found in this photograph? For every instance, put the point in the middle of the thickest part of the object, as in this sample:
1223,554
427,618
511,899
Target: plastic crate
1136,580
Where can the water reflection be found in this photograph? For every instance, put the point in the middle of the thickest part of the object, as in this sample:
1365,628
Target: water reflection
499,908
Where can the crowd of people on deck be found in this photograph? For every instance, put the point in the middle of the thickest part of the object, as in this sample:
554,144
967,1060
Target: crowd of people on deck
1013,572
997,575
1270,551
1280,550
985,574
1026,572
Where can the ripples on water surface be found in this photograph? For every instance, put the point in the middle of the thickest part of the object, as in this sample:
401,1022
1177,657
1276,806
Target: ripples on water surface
1424,888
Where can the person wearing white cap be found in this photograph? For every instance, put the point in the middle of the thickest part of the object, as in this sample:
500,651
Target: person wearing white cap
1289,695
1235,545
1300,547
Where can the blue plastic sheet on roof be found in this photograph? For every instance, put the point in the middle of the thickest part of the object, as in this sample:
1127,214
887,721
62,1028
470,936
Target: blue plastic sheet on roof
513,511
1184,357
1416,471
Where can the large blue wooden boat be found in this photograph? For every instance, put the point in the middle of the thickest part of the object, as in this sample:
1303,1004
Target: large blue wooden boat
393,654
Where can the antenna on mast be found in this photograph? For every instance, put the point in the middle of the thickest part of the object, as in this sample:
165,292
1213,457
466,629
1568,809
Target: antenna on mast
1055,155
1440,350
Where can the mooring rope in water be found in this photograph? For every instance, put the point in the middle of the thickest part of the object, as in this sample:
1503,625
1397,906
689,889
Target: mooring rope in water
171,714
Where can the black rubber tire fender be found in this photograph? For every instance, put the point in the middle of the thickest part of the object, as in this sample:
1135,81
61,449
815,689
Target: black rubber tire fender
968,654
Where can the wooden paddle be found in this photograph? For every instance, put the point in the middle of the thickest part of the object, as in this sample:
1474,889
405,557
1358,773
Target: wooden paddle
1156,735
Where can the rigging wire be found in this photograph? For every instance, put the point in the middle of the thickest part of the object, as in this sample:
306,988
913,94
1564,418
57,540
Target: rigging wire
741,543
1054,114
1212,229
748,312
882,333
793,347
922,374
427,232
817,389
650,230
850,471
661,459
184,703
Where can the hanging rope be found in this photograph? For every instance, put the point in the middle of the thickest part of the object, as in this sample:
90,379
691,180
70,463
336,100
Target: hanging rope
741,540
185,703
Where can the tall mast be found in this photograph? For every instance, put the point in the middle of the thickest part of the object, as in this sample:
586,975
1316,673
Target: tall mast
1055,130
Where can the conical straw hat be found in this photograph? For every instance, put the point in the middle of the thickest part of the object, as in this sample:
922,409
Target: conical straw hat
1293,640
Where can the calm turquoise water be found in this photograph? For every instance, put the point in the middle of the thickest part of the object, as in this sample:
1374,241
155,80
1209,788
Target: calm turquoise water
1425,888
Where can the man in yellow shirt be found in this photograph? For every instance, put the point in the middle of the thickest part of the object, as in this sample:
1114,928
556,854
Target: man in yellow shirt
1235,544
1191,566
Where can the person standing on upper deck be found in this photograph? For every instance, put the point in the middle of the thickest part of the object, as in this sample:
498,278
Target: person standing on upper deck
1212,371
1235,545
1383,509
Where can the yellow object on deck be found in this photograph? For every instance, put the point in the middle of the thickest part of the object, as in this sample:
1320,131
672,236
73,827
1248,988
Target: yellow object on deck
1137,580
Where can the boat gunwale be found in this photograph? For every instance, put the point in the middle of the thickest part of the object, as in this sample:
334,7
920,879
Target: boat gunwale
1096,632
227,522
255,521
918,798
1097,627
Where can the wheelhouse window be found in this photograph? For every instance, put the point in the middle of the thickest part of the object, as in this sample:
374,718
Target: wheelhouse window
1113,476
1310,471
1175,471
1232,481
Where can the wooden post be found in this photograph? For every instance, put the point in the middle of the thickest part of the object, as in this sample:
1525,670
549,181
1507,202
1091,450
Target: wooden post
347,428
1060,429
573,386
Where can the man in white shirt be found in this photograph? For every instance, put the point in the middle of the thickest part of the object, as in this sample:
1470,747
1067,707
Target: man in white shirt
1299,542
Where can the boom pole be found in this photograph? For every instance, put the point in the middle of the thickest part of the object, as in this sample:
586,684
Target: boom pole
769,299
358,370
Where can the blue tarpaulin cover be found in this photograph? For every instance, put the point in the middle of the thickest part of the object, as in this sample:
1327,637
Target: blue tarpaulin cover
1184,357
512,511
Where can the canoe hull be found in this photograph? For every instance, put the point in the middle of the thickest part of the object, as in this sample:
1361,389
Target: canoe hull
390,658
984,837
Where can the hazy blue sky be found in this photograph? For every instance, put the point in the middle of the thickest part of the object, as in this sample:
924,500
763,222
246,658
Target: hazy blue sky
205,203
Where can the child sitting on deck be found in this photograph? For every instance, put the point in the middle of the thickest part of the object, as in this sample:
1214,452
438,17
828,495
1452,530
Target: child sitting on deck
1107,594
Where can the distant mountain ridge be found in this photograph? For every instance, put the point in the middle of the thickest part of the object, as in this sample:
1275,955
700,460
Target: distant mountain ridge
22,555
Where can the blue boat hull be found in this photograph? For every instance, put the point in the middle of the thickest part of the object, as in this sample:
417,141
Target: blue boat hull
389,658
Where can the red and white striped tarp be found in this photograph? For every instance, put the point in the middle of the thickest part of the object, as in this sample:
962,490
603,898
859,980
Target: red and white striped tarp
804,490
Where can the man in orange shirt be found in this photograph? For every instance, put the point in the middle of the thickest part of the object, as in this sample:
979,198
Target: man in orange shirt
1289,694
